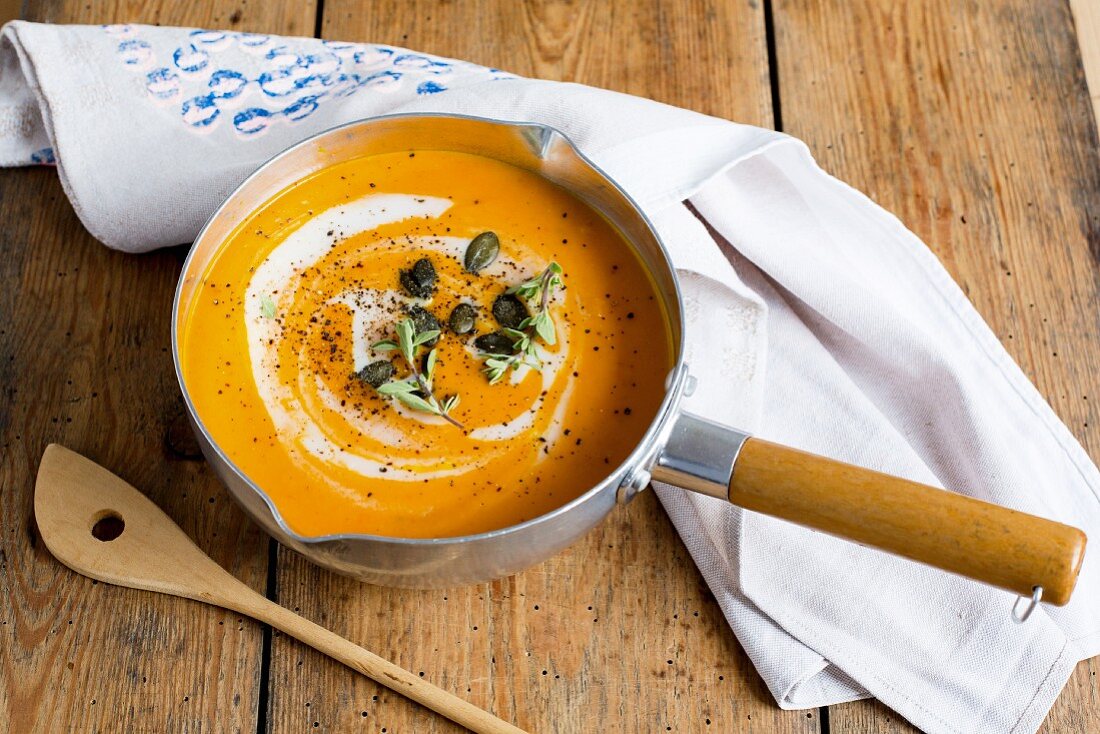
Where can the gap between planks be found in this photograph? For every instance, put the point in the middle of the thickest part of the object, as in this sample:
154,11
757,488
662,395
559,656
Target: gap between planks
271,591
777,123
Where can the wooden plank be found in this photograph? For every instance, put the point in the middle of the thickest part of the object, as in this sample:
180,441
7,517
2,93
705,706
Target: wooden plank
707,55
619,633
284,17
972,122
85,361
10,10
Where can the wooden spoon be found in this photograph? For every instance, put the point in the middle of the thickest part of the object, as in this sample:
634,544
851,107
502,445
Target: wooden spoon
100,526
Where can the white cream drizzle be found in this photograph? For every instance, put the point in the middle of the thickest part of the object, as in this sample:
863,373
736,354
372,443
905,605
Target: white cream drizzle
293,414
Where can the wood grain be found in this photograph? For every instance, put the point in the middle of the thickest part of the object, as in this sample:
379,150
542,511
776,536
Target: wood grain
285,17
708,55
972,122
10,10
84,360
583,642
947,530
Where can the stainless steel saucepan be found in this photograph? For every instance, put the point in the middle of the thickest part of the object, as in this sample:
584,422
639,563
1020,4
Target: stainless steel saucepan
1034,557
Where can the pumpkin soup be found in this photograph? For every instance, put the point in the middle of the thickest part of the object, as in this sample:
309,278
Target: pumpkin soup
424,344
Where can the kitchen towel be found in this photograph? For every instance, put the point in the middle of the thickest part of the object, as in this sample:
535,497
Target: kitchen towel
814,318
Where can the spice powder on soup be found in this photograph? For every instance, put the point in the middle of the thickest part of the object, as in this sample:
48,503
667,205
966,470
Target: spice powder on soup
424,345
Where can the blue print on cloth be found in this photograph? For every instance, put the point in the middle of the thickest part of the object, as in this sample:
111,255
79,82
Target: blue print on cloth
252,81
429,87
43,157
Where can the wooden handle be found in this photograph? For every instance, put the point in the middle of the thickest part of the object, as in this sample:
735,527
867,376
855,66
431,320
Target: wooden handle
374,667
956,533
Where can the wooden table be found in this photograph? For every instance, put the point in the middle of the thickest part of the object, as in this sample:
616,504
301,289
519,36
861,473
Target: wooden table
971,122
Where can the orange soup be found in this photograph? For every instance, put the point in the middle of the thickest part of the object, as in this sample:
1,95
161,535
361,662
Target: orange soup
424,344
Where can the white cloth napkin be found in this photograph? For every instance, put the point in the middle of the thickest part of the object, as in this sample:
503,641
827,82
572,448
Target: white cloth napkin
834,330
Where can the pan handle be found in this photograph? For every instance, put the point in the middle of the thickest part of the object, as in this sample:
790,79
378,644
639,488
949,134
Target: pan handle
986,542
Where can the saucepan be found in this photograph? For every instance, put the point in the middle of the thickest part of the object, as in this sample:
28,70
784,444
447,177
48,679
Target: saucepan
1032,556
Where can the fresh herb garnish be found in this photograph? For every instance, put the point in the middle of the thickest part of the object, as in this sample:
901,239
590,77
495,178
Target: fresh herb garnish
267,306
537,291
415,391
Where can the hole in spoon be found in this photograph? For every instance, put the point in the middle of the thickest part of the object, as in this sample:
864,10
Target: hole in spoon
108,527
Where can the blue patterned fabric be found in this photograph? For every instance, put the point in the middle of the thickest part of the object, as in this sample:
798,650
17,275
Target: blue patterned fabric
284,80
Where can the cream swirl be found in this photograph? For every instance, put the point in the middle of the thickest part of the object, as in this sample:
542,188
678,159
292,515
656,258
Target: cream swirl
312,418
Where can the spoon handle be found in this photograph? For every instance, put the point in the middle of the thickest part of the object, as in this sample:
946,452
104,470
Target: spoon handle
247,601
141,548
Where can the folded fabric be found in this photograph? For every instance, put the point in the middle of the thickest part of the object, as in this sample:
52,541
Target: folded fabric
814,318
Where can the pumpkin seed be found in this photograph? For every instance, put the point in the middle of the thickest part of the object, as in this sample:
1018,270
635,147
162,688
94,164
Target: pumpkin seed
377,373
495,343
419,280
482,251
462,318
424,320
509,311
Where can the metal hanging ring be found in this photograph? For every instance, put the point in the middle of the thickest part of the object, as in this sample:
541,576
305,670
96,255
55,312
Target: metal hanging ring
1036,597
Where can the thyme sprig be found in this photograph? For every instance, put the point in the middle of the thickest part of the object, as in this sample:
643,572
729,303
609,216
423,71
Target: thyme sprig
537,291
415,391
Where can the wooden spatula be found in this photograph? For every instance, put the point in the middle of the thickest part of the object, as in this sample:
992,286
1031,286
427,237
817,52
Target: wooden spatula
100,526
